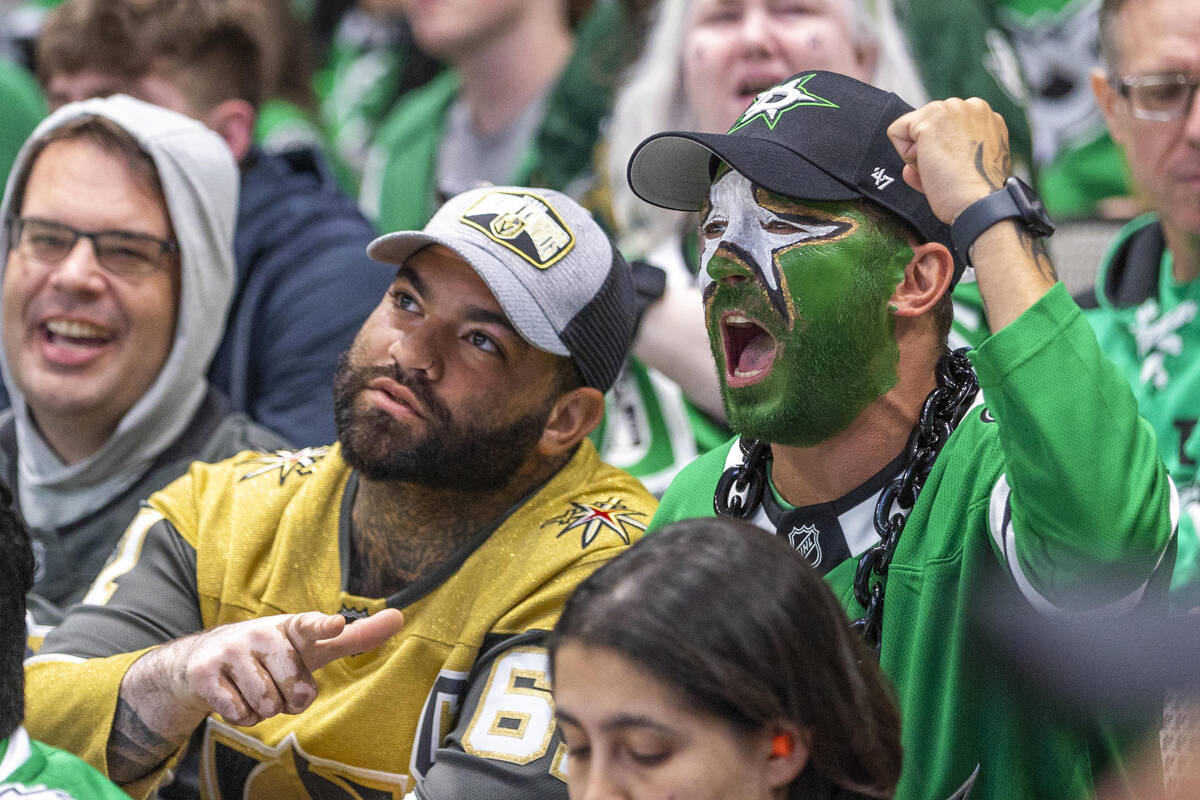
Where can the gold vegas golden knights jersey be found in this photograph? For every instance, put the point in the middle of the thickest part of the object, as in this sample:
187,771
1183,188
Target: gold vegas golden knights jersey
456,705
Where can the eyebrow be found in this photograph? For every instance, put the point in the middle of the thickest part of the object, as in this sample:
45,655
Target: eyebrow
619,722
409,274
473,314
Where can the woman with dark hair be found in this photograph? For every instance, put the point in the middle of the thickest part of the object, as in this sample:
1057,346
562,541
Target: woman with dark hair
711,661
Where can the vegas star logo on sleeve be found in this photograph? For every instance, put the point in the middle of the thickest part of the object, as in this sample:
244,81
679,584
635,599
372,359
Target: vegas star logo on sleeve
593,518
285,462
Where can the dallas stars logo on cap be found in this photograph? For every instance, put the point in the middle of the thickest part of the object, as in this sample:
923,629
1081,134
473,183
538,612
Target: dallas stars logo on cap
524,223
772,103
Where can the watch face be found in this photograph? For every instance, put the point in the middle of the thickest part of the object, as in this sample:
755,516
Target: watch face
1033,211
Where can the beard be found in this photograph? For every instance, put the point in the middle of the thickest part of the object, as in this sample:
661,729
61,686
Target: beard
480,454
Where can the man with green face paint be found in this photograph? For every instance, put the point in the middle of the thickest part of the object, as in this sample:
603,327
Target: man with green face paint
835,222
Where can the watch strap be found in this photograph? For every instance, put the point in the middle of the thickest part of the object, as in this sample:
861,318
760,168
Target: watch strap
978,217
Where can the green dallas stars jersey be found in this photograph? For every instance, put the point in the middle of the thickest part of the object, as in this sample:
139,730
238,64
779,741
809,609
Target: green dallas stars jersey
1147,325
1052,489
30,770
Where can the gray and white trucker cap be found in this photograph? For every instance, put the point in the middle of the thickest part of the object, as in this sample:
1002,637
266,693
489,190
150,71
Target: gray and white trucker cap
554,271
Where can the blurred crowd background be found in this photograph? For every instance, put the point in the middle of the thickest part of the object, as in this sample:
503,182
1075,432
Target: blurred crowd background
338,75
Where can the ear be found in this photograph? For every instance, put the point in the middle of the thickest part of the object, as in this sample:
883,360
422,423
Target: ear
926,278
783,764
1106,98
573,417
234,120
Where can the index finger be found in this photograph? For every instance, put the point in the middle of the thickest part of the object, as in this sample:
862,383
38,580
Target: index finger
359,637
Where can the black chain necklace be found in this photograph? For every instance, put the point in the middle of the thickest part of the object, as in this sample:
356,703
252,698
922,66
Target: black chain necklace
740,488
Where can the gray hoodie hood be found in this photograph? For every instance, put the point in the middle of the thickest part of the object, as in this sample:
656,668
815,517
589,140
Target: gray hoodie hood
200,181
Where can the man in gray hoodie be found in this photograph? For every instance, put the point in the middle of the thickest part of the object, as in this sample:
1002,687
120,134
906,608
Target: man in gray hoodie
118,235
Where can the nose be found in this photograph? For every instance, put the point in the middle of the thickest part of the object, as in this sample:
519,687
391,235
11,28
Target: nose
416,349
724,266
1192,121
597,784
79,271
755,30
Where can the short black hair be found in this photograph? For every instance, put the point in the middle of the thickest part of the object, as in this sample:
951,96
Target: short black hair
16,579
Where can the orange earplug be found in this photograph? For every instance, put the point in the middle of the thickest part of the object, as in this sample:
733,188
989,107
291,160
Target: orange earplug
782,745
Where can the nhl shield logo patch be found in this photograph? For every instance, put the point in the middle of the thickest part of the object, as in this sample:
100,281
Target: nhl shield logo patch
524,223
806,540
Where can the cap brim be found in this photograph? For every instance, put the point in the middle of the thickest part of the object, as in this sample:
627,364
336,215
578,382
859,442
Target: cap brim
671,169
518,304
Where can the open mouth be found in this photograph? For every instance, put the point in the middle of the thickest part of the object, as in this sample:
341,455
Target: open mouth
74,333
749,350
750,88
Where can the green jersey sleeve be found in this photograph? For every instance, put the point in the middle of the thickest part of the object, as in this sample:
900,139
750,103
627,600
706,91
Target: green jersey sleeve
1085,511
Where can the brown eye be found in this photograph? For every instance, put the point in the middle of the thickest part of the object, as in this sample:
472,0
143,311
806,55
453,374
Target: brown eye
714,229
779,226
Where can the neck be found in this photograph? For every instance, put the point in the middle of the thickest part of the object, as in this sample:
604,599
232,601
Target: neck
500,79
1185,254
72,438
831,469
401,532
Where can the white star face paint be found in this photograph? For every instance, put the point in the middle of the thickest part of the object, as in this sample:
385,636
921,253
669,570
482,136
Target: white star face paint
741,228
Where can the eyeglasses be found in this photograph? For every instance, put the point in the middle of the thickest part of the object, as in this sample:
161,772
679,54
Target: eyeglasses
125,253
1161,97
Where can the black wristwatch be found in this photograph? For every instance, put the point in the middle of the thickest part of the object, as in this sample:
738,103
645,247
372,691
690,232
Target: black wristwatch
1017,199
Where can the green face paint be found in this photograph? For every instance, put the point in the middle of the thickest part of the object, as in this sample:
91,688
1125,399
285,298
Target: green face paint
798,316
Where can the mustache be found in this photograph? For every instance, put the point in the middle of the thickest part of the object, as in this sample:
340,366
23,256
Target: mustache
409,379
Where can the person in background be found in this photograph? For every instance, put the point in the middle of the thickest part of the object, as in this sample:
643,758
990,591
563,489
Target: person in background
528,85
304,283
372,61
118,272
701,64
835,222
24,107
462,492
1147,292
672,680
28,768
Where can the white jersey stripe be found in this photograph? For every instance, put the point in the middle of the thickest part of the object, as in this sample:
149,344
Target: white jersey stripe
1000,525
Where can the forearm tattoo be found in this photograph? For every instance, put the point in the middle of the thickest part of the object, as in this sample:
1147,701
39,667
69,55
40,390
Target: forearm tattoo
1035,248
133,749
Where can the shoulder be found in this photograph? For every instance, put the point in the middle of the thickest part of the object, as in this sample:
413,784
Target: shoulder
292,200
590,505
691,493
48,773
255,487
420,106
235,433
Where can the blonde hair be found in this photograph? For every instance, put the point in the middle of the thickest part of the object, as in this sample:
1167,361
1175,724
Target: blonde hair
652,99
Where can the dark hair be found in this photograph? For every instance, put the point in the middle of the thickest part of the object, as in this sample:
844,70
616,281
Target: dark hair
16,579
105,134
1110,47
745,630
209,46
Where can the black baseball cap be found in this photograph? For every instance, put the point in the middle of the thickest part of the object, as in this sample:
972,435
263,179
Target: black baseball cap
815,136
